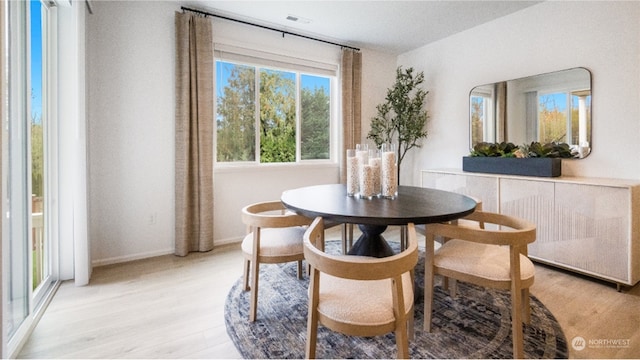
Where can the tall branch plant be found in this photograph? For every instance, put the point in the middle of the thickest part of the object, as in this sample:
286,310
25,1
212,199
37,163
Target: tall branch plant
401,119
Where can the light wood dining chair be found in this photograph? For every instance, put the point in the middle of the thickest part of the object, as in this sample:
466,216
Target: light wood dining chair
274,235
494,257
360,295
451,284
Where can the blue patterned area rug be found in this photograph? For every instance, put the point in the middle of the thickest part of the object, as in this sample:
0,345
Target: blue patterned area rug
475,324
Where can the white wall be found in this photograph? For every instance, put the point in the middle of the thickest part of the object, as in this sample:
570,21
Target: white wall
130,65
603,36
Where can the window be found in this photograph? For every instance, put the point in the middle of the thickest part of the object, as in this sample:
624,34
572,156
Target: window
273,112
563,116
482,119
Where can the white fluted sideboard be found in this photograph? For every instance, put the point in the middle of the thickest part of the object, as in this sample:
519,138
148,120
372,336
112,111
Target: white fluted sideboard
587,225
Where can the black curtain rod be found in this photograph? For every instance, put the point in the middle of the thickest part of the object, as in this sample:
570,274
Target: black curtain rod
283,32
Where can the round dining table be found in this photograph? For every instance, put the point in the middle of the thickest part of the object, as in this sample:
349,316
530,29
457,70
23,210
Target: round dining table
411,205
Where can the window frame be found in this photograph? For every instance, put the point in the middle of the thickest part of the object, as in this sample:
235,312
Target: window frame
277,62
489,128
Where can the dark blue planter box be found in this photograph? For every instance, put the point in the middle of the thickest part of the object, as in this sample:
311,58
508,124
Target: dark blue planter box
548,167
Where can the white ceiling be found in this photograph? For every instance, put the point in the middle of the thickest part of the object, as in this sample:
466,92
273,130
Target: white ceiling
389,26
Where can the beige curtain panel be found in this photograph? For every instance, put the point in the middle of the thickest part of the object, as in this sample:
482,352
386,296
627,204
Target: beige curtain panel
194,134
351,74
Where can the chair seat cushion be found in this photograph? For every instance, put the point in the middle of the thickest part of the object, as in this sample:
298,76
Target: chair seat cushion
361,302
487,261
277,241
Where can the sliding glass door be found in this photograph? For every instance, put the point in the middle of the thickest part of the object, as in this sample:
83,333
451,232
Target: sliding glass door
28,262
17,263
39,118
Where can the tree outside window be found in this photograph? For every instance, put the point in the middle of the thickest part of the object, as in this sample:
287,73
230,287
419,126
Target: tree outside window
316,116
552,117
235,112
280,115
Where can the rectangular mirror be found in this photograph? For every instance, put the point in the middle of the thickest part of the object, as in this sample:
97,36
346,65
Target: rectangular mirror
552,107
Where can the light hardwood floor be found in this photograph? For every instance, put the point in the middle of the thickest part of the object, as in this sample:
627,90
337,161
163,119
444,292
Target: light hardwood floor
172,307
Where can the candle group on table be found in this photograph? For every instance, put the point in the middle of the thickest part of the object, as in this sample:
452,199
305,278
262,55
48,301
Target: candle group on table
371,172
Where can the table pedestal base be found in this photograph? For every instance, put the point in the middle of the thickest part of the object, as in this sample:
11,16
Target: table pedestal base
371,242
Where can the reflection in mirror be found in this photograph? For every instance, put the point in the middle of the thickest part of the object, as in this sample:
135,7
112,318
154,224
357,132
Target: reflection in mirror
553,107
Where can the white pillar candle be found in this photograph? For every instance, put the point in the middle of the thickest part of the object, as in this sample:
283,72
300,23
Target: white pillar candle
366,182
376,163
389,181
352,173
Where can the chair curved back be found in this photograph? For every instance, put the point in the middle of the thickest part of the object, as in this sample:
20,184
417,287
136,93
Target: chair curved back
271,214
350,281
512,231
356,267
274,235
479,255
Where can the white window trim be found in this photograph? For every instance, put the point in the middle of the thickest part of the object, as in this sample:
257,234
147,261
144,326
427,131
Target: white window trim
488,123
262,59
272,60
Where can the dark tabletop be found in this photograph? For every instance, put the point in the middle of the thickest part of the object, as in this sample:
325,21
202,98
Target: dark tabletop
412,205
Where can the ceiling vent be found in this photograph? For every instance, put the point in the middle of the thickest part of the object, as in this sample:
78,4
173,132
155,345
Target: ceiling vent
298,19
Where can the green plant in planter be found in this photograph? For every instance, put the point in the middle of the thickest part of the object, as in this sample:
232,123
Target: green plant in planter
486,149
401,119
533,150
551,150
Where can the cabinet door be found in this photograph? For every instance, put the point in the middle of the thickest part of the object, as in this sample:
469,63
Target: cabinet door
533,201
593,229
484,188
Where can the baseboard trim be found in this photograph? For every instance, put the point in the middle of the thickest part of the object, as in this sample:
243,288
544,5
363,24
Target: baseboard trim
127,258
150,254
